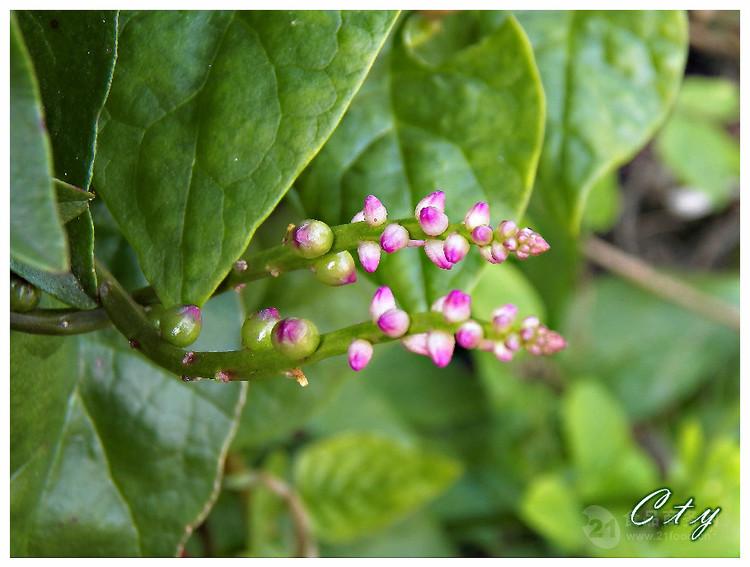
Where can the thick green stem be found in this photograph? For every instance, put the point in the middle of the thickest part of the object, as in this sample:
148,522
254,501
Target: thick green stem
59,321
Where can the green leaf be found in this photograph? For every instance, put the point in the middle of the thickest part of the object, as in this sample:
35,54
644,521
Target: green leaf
71,201
715,99
355,483
470,124
210,118
64,287
552,509
36,231
111,456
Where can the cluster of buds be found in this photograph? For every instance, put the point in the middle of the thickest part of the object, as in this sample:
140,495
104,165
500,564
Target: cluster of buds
504,336
446,250
293,337
313,239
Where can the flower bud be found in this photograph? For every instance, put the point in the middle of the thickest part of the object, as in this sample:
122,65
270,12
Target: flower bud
486,253
336,269
503,317
440,346
470,334
537,245
435,199
502,353
513,342
369,255
312,238
374,211
457,306
23,295
181,325
437,305
382,301
456,247
499,252
436,253
478,215
256,330
482,235
416,343
359,217
506,229
394,237
295,338
360,353
394,323
433,221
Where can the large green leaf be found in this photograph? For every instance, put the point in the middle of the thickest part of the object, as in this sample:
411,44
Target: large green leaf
210,118
469,122
36,231
111,456
356,483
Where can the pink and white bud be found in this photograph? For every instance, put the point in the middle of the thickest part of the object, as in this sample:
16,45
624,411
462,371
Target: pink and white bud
502,353
359,217
436,253
457,306
369,255
486,253
506,229
511,244
416,343
482,235
382,301
554,343
478,215
394,323
375,212
440,346
437,305
470,334
523,235
499,252
513,342
394,237
360,353
537,245
433,221
435,199
503,317
456,247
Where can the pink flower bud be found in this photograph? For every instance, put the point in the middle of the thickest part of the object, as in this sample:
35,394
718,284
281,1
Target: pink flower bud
486,253
382,301
478,215
502,353
503,317
470,334
416,343
555,343
394,237
537,245
457,306
360,353
440,346
433,221
359,217
513,342
499,253
435,199
437,305
511,244
436,254
506,229
394,323
482,235
369,255
530,322
375,213
456,247
523,235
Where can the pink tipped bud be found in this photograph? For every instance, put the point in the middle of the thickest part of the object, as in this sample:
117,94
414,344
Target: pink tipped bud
456,247
416,343
503,353
436,253
374,211
478,215
457,306
530,322
394,237
482,235
433,221
470,334
511,244
555,343
440,346
382,301
513,342
506,229
522,254
486,253
499,253
360,353
437,305
503,317
312,238
369,255
435,199
359,217
537,245
394,323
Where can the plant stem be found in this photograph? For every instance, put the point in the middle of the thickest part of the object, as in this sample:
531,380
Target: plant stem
59,321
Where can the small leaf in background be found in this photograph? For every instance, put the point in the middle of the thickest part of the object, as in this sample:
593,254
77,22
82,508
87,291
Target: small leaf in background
552,509
355,484
36,232
211,117
111,456
470,124
710,98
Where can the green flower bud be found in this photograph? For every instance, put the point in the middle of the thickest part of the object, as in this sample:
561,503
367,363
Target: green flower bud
312,238
295,338
256,331
181,324
336,269
23,295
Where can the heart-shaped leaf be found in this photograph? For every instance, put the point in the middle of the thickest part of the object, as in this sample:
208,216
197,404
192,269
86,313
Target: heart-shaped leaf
210,118
469,122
